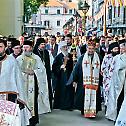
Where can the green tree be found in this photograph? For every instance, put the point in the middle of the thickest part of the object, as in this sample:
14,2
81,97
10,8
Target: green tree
31,7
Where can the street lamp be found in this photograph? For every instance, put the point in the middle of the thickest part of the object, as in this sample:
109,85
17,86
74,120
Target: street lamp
84,7
76,15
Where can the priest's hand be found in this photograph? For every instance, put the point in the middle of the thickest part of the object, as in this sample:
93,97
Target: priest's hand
74,84
63,67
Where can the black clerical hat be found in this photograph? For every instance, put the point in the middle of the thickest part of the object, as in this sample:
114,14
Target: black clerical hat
113,45
27,42
40,40
11,39
15,43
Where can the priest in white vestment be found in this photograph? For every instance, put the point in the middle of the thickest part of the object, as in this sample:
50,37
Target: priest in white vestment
118,83
11,88
36,86
91,69
86,75
113,50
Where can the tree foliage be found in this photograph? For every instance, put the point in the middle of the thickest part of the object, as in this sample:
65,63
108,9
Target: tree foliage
31,6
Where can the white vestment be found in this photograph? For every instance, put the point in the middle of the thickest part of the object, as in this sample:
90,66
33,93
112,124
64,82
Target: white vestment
121,119
9,114
105,68
117,83
11,78
34,62
90,83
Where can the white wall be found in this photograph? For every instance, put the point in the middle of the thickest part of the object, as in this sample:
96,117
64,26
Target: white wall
11,12
53,17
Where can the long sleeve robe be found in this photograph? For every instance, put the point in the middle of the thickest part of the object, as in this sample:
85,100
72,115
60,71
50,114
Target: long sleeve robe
63,97
77,76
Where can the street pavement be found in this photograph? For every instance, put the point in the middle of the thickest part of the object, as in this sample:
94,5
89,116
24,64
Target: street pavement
72,118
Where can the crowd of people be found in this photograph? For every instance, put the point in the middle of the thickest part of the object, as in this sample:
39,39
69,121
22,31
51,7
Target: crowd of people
68,72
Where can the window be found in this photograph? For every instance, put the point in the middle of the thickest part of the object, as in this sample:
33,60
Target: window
114,11
110,12
58,23
124,16
41,22
46,11
70,11
58,11
118,11
46,23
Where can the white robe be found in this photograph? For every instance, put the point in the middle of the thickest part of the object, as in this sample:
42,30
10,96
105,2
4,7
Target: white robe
117,82
90,83
9,114
11,78
121,119
105,67
40,72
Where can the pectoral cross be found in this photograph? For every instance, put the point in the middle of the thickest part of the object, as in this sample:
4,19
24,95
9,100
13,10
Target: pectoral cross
86,63
97,64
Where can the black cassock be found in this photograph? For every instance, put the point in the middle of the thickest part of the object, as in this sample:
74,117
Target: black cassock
77,76
64,95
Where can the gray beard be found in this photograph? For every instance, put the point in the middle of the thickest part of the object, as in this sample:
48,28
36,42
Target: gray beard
28,54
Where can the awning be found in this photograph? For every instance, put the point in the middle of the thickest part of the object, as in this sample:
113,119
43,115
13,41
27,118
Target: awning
117,26
34,26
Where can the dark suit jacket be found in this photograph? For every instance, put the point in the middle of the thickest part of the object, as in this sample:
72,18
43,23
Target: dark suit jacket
55,51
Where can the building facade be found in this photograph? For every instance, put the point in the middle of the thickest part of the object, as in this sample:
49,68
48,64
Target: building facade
115,17
11,17
54,15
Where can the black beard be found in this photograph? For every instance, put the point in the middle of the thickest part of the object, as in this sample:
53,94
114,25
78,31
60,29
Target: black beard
1,54
115,53
91,55
41,49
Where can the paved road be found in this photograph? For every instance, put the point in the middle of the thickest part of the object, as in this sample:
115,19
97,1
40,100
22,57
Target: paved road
72,118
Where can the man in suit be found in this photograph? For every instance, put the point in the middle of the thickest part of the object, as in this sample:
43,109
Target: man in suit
53,47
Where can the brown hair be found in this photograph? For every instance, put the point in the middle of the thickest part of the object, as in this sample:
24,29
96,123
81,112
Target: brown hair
4,42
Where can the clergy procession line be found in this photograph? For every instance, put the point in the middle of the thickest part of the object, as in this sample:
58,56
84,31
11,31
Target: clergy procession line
41,73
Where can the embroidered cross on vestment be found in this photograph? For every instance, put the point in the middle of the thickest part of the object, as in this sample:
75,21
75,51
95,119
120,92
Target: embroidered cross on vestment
97,64
86,63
